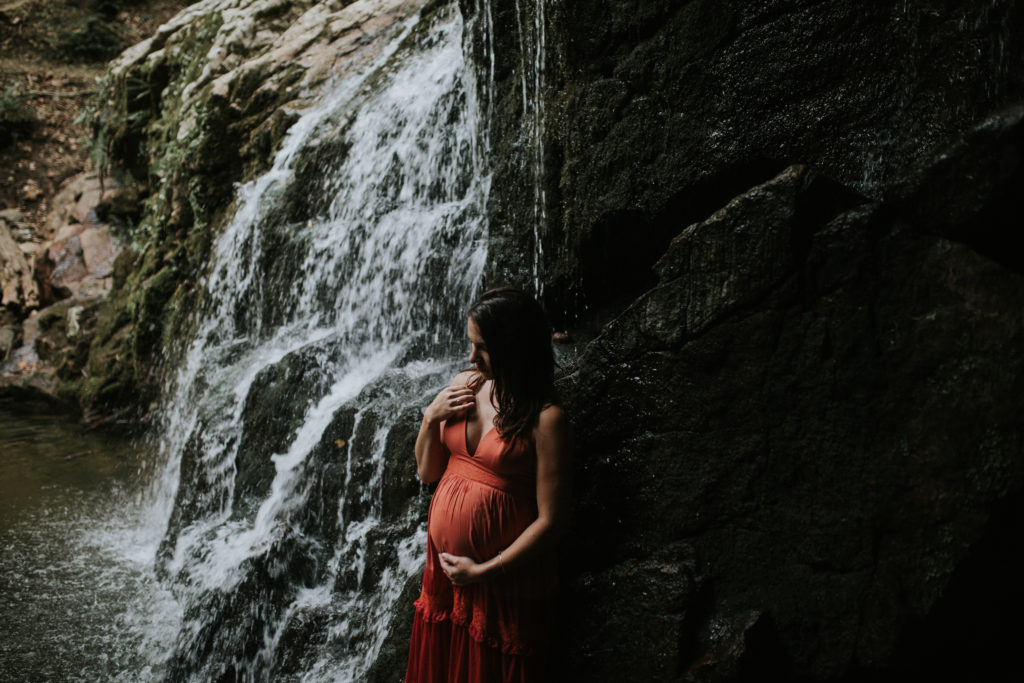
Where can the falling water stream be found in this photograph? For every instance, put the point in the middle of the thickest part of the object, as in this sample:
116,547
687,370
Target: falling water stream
348,306
286,522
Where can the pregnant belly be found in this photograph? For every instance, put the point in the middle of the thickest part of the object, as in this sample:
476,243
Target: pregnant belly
473,519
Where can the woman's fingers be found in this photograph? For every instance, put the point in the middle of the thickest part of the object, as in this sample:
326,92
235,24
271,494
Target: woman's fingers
451,401
459,398
450,565
447,565
460,570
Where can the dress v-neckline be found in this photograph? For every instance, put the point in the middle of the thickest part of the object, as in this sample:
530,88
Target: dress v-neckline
465,437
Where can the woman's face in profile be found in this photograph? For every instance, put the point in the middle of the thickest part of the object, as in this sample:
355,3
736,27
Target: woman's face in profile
478,354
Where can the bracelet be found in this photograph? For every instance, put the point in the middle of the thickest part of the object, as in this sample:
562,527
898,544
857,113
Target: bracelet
501,562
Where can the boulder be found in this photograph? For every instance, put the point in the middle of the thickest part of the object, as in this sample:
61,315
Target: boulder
99,250
18,288
66,263
12,215
8,337
71,273
76,198
818,385
54,349
84,209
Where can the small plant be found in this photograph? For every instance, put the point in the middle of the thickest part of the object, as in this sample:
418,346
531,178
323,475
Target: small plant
17,118
94,114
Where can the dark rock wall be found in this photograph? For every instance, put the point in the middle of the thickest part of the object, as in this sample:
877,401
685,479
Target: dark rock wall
660,112
798,428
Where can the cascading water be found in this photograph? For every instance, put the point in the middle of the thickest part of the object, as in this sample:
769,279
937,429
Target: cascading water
332,306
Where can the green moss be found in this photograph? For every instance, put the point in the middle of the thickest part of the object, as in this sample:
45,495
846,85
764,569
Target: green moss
180,323
113,317
54,317
115,349
267,136
124,264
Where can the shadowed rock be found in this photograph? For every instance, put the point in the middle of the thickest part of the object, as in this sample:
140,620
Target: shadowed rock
821,401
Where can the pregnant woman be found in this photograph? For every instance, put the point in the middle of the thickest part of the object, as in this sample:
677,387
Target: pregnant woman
500,446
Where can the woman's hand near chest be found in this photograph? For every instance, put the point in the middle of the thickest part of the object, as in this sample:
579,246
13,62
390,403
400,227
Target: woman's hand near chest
452,401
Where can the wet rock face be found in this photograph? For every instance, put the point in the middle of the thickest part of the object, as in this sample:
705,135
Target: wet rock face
660,112
796,223
18,288
827,398
273,414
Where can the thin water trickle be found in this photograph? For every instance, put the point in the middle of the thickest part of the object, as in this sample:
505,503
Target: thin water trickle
533,58
537,136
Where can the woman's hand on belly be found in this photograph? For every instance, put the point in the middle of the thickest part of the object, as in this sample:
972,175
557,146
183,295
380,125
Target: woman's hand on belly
460,570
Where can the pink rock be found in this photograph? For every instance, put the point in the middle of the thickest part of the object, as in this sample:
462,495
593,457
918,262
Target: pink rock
68,262
68,231
98,251
66,203
84,209
17,282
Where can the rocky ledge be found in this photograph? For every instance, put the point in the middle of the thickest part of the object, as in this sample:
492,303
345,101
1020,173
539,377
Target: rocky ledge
55,282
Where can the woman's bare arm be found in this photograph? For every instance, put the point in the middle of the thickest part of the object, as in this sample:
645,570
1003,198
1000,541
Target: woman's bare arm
431,455
553,439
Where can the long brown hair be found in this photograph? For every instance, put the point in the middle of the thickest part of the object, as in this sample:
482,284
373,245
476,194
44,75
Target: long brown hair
518,339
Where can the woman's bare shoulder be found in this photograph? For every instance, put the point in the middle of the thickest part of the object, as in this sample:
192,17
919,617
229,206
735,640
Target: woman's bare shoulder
463,378
553,419
552,435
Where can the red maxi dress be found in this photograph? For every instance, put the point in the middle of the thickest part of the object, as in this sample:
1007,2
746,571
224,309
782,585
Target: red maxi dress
495,630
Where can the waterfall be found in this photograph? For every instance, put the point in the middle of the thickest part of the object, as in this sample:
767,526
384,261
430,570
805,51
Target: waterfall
332,310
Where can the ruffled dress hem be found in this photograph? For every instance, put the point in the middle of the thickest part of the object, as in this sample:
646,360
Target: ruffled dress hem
506,645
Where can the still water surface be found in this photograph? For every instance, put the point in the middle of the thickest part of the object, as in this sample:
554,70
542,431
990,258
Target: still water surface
78,601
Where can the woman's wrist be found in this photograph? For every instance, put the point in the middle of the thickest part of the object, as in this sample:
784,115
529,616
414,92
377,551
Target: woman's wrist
485,571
